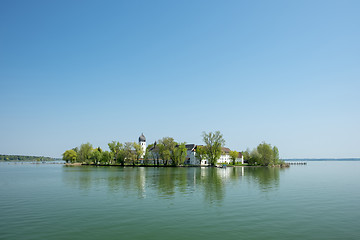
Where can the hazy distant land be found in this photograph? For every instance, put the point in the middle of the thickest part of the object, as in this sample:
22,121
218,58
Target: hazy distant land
25,158
321,159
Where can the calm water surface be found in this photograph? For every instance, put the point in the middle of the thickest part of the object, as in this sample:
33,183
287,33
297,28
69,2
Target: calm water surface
49,201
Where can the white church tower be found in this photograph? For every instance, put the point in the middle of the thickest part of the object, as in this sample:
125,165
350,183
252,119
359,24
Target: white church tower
142,142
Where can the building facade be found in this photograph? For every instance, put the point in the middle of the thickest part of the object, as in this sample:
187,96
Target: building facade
191,158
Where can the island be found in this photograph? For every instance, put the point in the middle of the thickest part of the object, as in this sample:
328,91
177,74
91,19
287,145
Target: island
166,152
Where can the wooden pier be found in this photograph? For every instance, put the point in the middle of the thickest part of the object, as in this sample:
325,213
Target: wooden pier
297,163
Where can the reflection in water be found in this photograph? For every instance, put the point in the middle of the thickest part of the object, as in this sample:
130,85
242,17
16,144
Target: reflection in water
213,184
168,182
266,177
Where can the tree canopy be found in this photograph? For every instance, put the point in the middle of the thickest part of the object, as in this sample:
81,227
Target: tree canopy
166,147
84,153
178,155
138,151
264,154
213,144
200,153
115,147
233,156
70,156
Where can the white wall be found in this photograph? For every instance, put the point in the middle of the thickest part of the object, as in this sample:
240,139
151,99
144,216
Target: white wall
143,146
224,159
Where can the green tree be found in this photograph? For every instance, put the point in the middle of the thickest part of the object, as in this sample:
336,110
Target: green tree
233,156
121,156
166,148
164,154
200,153
276,155
147,155
115,148
254,157
85,152
106,157
246,155
95,156
213,144
76,149
129,154
138,151
266,153
69,156
179,154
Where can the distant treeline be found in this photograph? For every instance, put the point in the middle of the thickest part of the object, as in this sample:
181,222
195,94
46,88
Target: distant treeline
24,158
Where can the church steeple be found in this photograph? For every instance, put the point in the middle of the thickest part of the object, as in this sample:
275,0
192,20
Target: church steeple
142,138
142,142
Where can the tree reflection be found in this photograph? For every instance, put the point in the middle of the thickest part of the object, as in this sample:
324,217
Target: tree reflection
265,177
165,183
169,182
213,185
81,179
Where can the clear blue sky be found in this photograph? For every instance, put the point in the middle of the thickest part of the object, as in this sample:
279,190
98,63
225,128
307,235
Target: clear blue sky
284,72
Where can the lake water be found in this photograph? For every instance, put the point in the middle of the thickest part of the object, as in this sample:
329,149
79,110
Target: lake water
320,200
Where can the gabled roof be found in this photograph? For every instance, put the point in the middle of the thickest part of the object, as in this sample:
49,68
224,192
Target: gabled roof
153,148
225,149
190,147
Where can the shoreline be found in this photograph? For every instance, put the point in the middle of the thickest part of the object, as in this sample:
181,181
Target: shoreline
164,166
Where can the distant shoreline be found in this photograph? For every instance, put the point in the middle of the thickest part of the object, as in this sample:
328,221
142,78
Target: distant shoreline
321,159
25,158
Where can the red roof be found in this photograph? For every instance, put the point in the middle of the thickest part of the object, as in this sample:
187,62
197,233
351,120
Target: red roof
225,150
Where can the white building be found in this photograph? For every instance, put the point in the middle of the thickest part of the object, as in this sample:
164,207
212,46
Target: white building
191,155
224,158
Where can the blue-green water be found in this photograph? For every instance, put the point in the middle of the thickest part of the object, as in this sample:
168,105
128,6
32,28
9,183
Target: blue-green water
49,201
